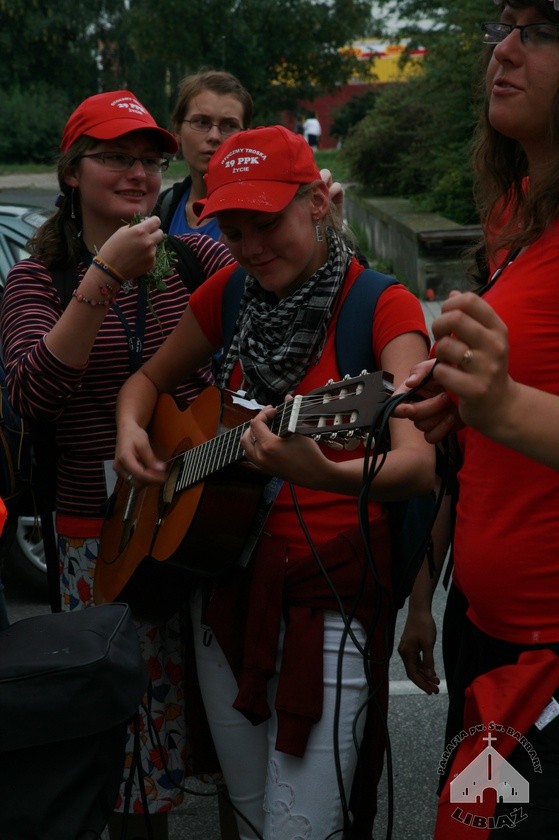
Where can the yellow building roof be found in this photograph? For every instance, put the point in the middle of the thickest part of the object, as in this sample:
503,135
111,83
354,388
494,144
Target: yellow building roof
385,59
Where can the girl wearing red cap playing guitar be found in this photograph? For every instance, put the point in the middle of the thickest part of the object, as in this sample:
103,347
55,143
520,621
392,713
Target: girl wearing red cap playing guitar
270,639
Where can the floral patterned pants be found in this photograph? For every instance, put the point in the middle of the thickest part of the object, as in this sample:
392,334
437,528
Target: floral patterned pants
165,767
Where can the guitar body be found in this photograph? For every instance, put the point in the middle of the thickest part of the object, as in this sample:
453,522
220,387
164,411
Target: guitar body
202,529
209,513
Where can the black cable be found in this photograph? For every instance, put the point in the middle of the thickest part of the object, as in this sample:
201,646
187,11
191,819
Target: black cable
376,448
372,465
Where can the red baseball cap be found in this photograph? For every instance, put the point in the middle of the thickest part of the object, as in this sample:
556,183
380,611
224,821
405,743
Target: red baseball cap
258,169
106,116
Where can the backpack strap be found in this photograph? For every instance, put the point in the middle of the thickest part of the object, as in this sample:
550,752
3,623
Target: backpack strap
64,280
354,350
230,306
189,267
168,201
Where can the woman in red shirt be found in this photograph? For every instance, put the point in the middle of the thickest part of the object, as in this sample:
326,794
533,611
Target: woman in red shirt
497,383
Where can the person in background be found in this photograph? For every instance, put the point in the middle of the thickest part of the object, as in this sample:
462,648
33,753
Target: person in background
211,106
496,383
312,131
263,638
66,366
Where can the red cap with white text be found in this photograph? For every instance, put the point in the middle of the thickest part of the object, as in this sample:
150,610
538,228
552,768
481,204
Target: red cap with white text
259,169
106,116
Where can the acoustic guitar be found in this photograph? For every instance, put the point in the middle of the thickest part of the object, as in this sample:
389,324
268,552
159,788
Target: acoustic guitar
208,514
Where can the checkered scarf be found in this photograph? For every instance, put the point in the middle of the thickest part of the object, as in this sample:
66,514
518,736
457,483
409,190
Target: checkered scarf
276,340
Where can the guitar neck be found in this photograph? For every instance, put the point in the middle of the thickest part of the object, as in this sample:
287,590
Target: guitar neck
338,410
197,464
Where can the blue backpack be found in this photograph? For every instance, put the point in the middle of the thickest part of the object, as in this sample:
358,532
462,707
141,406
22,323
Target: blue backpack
412,520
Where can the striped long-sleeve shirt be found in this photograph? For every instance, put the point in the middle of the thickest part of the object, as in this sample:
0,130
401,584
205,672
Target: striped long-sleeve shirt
82,401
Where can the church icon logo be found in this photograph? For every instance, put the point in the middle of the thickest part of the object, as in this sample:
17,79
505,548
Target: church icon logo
489,770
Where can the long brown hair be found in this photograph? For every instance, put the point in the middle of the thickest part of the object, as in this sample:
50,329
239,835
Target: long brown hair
500,166
57,242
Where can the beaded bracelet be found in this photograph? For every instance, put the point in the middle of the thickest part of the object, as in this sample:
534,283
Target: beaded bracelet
107,297
108,269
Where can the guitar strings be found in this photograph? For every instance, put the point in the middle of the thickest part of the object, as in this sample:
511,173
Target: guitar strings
307,402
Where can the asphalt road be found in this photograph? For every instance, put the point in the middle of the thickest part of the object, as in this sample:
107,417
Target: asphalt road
416,722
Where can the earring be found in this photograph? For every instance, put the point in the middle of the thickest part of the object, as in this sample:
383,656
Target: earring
72,208
318,232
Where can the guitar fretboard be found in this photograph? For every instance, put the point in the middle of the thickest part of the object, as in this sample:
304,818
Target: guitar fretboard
197,464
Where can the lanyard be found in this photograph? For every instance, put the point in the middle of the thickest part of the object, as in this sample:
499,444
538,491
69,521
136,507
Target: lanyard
509,259
135,339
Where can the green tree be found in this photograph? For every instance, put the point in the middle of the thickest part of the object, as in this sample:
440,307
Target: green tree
60,51
431,117
52,57
44,42
282,50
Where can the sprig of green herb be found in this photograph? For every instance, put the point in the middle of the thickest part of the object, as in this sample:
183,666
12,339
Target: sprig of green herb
163,267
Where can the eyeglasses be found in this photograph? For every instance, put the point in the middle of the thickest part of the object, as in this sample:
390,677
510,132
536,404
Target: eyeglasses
120,162
533,34
203,124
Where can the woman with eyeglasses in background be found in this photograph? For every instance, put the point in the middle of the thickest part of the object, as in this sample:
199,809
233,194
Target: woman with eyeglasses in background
211,106
497,384
66,365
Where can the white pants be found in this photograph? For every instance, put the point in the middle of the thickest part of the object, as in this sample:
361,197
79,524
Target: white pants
284,797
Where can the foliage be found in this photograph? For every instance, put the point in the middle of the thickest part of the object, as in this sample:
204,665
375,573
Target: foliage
352,112
379,148
416,142
34,118
284,51
56,43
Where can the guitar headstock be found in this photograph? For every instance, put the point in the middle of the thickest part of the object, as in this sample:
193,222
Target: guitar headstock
341,412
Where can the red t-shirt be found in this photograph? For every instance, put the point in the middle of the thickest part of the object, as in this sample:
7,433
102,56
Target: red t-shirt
325,514
507,529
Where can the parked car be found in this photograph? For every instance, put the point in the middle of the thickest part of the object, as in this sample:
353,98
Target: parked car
22,543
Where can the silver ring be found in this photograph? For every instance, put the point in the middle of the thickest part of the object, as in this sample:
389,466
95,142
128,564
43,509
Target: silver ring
467,358
253,441
129,479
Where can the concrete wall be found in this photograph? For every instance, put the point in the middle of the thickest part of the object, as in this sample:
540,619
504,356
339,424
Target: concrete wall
423,248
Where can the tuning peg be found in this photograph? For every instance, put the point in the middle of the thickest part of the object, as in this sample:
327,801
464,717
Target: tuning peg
332,441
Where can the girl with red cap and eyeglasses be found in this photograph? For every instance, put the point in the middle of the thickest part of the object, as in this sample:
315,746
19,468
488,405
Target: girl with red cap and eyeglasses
294,706
66,365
